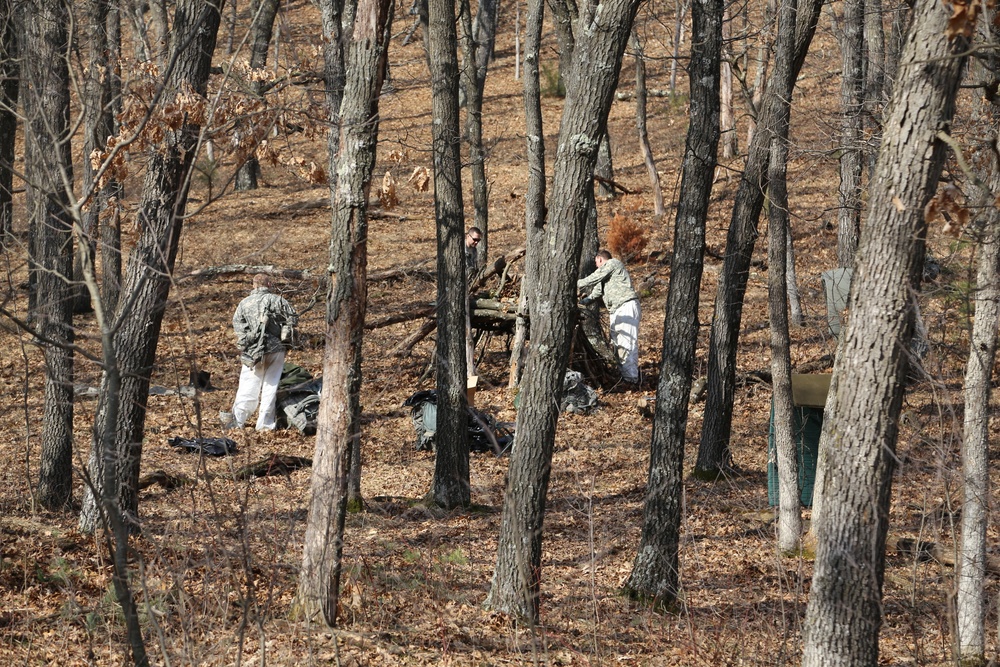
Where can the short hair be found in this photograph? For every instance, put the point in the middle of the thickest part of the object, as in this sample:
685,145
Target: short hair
262,280
475,230
603,253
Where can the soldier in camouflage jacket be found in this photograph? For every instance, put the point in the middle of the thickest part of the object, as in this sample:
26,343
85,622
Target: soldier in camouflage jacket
612,283
264,323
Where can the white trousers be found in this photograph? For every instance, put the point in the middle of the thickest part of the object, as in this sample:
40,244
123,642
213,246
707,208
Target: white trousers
259,386
625,338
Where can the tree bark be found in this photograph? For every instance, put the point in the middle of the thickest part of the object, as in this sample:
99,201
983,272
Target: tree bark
553,265
9,83
713,451
789,512
564,17
339,423
450,487
970,598
99,124
261,29
655,572
44,27
474,70
851,101
150,266
727,117
659,210
970,577
861,420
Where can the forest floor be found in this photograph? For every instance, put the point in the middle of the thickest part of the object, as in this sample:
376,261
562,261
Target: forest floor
216,565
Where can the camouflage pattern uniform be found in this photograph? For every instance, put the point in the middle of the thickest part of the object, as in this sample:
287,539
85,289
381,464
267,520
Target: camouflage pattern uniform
612,283
258,322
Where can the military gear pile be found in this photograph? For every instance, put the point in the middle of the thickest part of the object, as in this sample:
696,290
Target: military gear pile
298,399
485,434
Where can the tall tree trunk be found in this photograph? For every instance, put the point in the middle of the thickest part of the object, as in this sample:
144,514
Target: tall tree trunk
970,579
564,17
727,117
851,101
9,83
473,82
713,451
111,194
861,420
655,572
99,124
261,29
44,27
534,198
319,584
554,260
970,599
451,468
151,262
874,101
789,512
659,210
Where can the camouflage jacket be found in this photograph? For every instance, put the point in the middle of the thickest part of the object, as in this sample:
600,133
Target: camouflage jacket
611,282
258,321
471,262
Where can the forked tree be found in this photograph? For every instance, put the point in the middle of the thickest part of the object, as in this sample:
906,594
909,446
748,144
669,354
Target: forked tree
319,582
861,420
553,265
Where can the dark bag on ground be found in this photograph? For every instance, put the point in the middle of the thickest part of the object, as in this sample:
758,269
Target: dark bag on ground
423,414
208,446
298,399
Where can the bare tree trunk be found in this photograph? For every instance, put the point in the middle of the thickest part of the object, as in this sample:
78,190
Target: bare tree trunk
851,101
338,428
970,599
534,199
970,578
44,28
261,29
678,41
792,283
874,100
474,81
713,451
564,17
762,62
112,193
861,419
99,124
9,83
727,117
553,264
789,512
640,125
655,573
451,469
148,278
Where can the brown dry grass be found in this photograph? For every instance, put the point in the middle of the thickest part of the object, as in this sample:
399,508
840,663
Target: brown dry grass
216,564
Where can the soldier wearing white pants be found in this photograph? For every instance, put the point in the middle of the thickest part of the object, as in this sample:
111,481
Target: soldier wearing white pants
263,323
612,283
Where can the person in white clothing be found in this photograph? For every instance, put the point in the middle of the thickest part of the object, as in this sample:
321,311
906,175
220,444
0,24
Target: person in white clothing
264,323
611,283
